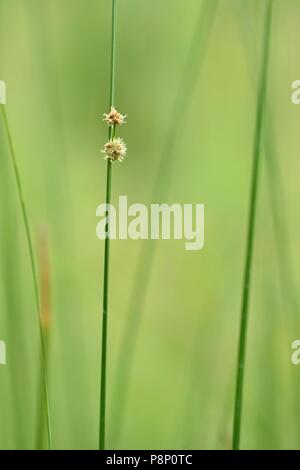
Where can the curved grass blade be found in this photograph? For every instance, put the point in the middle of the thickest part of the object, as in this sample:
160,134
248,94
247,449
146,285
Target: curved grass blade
46,322
15,325
33,269
261,98
280,220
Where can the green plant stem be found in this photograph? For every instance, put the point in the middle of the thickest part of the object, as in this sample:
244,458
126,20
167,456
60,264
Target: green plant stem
277,199
261,97
40,428
33,269
104,324
15,325
111,134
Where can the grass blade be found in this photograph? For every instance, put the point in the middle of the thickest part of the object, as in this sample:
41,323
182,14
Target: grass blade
281,224
261,97
102,419
46,322
33,269
13,306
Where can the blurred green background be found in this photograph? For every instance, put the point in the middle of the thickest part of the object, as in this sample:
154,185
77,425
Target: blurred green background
186,77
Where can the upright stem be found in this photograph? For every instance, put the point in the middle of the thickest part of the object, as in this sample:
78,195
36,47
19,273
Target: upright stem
40,427
33,269
102,419
261,97
46,320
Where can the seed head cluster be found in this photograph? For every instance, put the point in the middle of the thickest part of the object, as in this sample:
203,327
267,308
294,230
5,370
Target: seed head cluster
115,148
114,117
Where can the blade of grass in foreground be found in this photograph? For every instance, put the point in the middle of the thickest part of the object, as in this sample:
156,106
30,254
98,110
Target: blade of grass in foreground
276,195
188,80
102,418
277,198
261,97
40,24
46,322
33,268
15,326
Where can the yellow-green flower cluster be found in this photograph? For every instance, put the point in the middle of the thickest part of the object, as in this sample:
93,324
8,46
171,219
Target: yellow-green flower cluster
115,148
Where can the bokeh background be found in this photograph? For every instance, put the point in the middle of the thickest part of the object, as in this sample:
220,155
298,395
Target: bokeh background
187,78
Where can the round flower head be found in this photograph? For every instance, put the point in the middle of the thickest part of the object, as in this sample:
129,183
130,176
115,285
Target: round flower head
115,149
114,117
